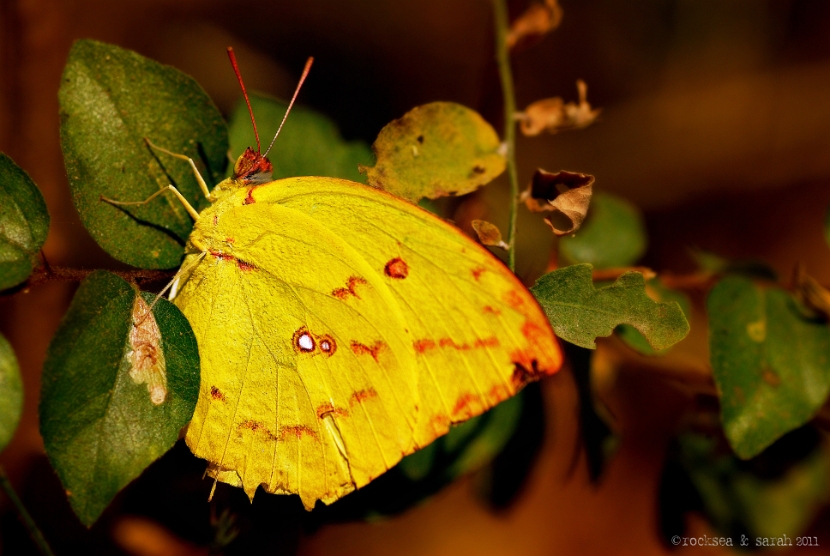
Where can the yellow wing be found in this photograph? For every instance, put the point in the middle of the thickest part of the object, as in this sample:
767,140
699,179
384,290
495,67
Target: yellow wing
341,328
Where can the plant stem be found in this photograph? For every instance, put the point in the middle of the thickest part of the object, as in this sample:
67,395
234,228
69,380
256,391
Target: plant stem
25,518
506,76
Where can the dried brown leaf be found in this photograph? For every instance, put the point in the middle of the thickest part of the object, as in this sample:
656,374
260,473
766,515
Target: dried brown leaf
554,115
489,234
812,294
539,19
566,195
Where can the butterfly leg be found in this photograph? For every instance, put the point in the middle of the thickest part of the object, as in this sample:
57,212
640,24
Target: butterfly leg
189,160
190,210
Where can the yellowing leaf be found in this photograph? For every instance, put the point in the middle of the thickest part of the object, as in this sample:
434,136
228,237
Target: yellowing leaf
554,115
11,402
435,150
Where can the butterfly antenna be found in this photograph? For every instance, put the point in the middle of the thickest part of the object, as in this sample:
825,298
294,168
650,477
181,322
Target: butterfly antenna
290,104
232,56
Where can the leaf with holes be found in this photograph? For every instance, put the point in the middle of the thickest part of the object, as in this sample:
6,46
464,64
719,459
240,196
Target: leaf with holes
119,382
771,364
580,313
11,402
309,143
436,150
24,223
111,99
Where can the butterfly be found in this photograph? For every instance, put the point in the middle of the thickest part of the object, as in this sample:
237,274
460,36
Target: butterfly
341,328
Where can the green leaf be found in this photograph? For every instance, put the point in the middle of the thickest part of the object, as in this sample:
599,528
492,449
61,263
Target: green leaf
102,416
579,313
309,143
11,402
612,235
111,99
771,365
658,292
435,150
24,223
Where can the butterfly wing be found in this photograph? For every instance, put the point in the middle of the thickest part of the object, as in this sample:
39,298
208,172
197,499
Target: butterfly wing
287,400
477,332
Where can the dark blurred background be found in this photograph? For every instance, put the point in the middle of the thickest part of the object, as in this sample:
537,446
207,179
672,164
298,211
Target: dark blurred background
715,122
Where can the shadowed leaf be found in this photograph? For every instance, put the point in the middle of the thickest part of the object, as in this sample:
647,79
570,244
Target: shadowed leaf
770,364
436,150
566,195
24,223
309,143
554,115
613,235
579,313
111,99
11,402
118,385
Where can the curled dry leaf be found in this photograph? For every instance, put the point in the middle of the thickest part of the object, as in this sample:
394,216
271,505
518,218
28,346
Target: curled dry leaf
566,195
554,115
809,292
539,19
489,234
145,355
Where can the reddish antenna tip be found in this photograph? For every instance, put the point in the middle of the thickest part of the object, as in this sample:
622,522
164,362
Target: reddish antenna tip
306,69
244,94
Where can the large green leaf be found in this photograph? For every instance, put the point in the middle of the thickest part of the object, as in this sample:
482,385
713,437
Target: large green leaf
11,402
24,223
579,313
612,235
435,150
309,143
771,365
111,99
115,392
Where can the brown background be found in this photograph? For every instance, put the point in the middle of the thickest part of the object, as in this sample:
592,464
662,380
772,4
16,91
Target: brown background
716,121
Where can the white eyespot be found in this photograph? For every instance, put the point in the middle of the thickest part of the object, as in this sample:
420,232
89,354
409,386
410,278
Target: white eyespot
325,345
306,342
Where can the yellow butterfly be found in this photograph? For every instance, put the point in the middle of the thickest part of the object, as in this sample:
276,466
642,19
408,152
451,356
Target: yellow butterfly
341,328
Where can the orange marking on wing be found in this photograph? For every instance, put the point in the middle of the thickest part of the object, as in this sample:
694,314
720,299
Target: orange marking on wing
215,219
256,426
463,404
217,394
450,343
249,199
497,394
422,345
362,395
534,333
487,309
329,409
244,266
374,350
396,268
229,240
222,256
515,299
477,272
492,341
298,431
440,422
350,289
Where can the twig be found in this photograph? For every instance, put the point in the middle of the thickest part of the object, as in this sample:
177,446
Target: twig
25,518
503,60
44,274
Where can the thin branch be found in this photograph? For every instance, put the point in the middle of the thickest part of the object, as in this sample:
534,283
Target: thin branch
23,514
46,273
506,76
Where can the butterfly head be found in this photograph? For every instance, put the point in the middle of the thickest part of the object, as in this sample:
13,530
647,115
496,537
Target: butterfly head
252,168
